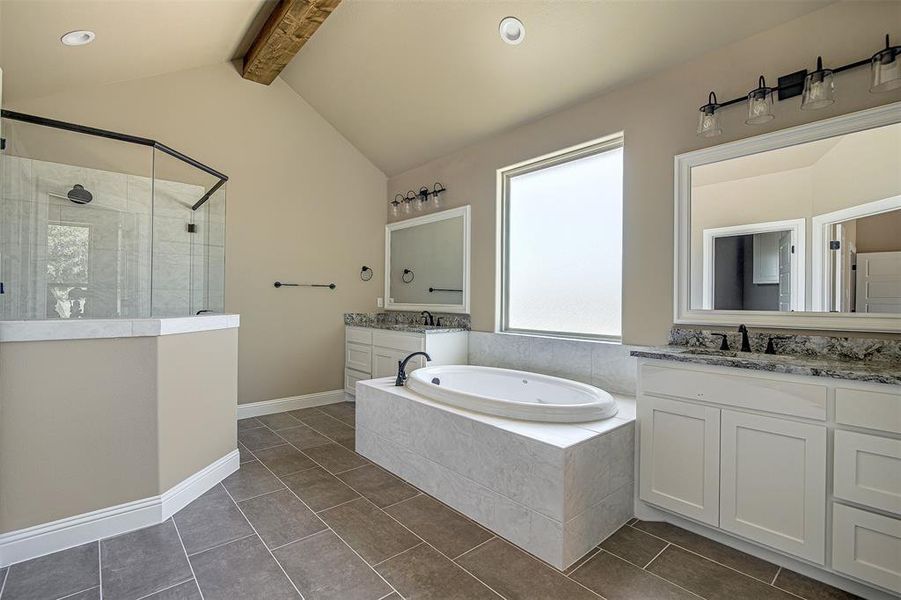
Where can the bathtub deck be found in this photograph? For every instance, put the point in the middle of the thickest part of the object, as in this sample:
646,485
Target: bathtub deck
555,490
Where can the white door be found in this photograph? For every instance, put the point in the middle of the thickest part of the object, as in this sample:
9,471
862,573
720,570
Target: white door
773,483
879,282
679,457
785,271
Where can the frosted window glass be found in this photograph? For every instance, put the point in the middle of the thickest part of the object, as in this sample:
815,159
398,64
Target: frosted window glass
565,226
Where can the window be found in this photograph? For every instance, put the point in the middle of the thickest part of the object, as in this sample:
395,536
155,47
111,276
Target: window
562,224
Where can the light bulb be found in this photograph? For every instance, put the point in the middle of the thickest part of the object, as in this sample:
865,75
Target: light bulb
393,209
407,207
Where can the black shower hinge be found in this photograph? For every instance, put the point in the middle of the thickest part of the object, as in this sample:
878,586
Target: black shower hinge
192,228
2,143
835,245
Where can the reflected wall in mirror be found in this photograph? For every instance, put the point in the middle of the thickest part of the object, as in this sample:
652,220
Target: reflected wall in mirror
428,262
806,220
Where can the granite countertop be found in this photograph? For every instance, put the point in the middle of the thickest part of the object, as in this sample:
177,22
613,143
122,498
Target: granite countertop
874,371
408,322
416,328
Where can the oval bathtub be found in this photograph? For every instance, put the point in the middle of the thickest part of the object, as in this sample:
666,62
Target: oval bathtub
513,394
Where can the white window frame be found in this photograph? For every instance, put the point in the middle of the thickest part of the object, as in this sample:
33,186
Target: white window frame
504,176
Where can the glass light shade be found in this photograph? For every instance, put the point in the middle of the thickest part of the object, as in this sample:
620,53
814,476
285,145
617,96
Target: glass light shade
709,123
394,209
819,90
407,207
885,70
760,102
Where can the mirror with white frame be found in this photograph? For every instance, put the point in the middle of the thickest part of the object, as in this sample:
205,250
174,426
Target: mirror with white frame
796,228
427,262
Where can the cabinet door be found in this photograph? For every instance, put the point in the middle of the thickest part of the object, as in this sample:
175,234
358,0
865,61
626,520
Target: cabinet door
384,362
679,457
773,478
357,357
867,546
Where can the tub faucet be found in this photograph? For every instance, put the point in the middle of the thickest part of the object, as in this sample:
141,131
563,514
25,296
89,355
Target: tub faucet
427,318
745,342
402,365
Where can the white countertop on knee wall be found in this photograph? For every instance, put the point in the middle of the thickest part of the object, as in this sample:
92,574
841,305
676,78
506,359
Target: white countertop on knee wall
80,329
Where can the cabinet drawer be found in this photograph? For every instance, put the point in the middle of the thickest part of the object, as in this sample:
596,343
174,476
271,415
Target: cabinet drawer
865,408
350,380
358,335
398,341
358,357
868,470
756,393
867,546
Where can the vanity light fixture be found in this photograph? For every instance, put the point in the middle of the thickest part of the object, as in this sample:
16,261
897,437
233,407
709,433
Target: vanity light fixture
709,120
816,88
885,68
416,199
82,37
760,102
512,30
819,88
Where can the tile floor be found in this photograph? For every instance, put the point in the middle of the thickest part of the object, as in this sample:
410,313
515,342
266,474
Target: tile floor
305,516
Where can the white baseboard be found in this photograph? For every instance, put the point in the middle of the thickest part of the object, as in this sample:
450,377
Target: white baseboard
268,407
32,542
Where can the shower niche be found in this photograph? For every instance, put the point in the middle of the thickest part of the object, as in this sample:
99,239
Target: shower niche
101,225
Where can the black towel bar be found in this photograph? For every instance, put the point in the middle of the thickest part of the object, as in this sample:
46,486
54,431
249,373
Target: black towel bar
330,286
431,289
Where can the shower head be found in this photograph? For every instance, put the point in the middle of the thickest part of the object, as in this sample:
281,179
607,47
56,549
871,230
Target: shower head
79,195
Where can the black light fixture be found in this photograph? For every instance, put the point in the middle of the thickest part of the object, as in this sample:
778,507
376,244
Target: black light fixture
417,199
817,89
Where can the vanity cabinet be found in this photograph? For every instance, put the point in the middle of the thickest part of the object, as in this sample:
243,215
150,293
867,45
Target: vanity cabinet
370,353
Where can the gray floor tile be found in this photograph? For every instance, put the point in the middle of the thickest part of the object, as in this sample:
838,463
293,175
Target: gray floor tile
445,529
330,427
259,438
738,560
279,421
142,562
810,589
300,413
345,412
368,530
633,545
284,459
568,571
303,437
319,489
211,520
91,594
709,579
325,568
245,454
615,579
241,570
514,574
335,458
252,479
185,591
54,575
249,423
381,487
424,573
280,518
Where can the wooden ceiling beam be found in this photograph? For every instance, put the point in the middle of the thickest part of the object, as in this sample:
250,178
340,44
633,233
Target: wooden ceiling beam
288,28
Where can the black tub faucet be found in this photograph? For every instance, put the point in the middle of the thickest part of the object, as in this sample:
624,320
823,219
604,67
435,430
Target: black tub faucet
745,342
427,318
724,346
402,365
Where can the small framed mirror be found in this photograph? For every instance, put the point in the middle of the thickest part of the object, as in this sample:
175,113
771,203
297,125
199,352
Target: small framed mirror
427,262
797,228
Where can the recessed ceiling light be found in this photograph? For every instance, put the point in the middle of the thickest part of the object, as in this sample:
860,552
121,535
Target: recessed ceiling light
78,38
512,30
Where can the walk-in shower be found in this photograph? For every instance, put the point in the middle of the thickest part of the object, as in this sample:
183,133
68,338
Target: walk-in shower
98,224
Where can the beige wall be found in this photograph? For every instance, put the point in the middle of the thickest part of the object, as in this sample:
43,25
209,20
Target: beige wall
658,116
879,233
89,424
303,205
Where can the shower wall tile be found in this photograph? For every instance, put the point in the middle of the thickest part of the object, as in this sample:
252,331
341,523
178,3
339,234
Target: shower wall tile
602,364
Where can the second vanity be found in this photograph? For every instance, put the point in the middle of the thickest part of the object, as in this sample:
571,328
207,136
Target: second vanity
797,455
375,343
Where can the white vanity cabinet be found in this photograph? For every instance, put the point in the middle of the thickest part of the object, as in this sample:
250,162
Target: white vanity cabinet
370,353
807,466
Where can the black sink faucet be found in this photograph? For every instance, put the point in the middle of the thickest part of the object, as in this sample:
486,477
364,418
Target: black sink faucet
402,365
745,342
725,343
427,318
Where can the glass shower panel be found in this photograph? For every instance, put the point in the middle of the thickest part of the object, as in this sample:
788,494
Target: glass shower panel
75,224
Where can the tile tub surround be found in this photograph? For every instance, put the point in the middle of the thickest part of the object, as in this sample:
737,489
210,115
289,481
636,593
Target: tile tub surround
82,329
555,490
407,321
602,364
223,545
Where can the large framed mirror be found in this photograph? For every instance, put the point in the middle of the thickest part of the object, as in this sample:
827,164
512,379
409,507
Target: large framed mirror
427,262
799,228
